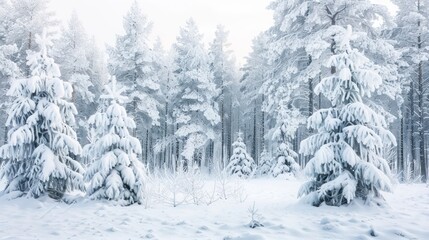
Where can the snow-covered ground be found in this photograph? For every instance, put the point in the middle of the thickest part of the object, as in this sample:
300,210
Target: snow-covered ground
406,217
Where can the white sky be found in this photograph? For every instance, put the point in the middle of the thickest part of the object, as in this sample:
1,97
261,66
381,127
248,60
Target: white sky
244,19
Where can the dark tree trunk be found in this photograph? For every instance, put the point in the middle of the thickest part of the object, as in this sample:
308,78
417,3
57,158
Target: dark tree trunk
422,145
412,130
263,125
254,149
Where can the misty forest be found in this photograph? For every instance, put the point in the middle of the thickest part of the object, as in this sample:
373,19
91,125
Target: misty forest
321,133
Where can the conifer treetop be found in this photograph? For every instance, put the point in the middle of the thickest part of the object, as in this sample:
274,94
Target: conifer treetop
114,92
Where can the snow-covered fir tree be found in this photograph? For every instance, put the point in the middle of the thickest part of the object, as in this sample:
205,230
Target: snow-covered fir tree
288,120
285,163
41,148
302,31
347,149
241,163
195,110
8,71
300,43
133,62
265,163
115,172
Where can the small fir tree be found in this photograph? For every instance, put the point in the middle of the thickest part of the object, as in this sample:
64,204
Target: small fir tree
241,163
115,173
284,163
287,118
265,163
41,148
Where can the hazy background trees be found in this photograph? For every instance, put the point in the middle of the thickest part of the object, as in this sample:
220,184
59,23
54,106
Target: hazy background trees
190,101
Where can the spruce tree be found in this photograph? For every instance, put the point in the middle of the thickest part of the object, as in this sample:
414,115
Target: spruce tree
115,173
348,147
265,163
241,163
287,119
41,148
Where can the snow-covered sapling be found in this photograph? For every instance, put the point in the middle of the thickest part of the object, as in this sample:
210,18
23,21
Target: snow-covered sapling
265,163
194,184
241,163
284,163
255,217
172,191
115,173
288,121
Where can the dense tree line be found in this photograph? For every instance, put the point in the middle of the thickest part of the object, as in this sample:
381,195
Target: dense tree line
322,89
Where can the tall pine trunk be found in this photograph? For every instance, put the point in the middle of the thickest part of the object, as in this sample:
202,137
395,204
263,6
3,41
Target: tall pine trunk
412,130
254,149
401,167
310,92
222,115
422,145
263,125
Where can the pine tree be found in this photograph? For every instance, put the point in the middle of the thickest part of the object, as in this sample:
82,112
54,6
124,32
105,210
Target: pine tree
71,54
222,65
26,19
254,77
300,42
133,62
8,71
411,35
41,148
115,172
241,163
347,149
165,146
98,72
195,110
